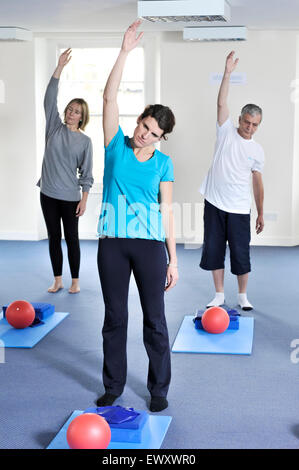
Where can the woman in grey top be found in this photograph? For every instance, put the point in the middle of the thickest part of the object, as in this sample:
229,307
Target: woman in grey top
67,166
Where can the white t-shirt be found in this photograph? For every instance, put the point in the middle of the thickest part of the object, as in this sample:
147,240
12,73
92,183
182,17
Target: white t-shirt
228,182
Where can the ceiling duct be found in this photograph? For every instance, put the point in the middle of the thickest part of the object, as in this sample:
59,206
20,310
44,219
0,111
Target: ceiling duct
12,33
219,33
183,10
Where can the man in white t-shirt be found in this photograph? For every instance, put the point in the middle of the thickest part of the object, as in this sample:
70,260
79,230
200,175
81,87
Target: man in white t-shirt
238,162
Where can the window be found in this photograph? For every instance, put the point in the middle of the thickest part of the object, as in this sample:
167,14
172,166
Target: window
85,77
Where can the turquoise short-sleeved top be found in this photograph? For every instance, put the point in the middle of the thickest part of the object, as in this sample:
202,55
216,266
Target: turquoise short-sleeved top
130,204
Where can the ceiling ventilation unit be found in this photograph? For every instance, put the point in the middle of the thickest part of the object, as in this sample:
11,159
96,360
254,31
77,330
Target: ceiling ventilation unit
12,33
219,33
184,10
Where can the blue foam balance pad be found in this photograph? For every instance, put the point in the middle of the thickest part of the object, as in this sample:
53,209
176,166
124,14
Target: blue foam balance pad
155,429
29,337
233,319
192,340
128,431
42,310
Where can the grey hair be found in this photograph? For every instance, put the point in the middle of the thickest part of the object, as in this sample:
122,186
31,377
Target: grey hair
251,109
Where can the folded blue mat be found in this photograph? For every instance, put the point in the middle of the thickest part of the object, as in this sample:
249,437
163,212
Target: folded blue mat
117,416
42,311
126,424
233,319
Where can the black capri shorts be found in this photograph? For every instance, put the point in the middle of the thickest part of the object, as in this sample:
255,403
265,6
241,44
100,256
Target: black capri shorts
221,227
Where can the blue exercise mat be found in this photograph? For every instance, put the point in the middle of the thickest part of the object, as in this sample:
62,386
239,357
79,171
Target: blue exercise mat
30,336
155,430
192,340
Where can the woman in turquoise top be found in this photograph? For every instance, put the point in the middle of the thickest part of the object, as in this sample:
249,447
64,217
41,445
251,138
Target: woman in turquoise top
135,226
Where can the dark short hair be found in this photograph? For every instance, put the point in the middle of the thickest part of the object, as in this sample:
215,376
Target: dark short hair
163,115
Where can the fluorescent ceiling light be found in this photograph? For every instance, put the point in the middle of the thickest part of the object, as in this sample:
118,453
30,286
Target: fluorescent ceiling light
12,33
184,10
219,33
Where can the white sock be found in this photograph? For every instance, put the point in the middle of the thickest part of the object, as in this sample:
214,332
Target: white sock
217,301
244,302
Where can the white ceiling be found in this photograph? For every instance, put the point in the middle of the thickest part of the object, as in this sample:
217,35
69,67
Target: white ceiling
115,15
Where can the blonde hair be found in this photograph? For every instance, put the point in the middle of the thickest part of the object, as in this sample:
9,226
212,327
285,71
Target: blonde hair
84,112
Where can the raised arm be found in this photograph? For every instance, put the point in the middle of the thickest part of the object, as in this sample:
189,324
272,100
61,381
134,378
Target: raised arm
222,107
110,106
50,100
63,60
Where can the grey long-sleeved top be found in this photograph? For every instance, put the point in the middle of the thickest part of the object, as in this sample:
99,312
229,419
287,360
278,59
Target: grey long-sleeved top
67,163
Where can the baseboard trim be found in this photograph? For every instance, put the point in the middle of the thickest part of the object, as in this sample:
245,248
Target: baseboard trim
189,244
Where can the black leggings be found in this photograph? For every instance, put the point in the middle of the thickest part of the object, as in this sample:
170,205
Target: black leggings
117,258
54,211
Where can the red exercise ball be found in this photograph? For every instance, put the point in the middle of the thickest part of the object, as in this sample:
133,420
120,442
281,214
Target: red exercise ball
88,431
215,320
20,314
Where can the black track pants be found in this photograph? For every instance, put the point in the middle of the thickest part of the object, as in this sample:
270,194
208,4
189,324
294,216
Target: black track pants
117,258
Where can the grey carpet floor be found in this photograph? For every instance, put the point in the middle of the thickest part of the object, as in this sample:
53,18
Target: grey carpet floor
216,401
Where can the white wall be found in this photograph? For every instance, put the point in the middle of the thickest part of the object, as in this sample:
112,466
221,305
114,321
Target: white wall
17,142
295,185
185,86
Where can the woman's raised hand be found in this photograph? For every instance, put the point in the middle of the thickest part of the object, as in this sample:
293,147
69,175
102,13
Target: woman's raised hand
64,58
130,40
